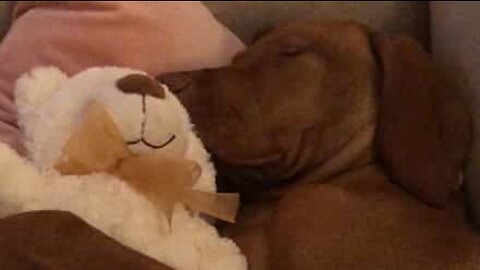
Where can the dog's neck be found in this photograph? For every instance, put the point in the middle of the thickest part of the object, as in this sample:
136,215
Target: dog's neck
352,150
357,151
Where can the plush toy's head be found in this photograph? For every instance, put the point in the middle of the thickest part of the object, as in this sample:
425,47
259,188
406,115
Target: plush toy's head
50,107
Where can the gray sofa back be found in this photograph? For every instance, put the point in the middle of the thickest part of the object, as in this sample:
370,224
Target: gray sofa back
245,18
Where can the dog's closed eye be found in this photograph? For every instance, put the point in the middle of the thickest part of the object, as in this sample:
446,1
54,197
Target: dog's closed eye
294,46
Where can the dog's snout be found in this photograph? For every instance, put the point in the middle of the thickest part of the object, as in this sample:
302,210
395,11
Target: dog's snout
180,81
176,81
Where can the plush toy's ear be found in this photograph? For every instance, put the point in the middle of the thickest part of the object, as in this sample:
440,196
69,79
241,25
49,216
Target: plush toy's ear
424,127
37,86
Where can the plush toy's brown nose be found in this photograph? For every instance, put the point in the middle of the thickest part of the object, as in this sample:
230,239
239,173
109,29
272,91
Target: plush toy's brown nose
142,85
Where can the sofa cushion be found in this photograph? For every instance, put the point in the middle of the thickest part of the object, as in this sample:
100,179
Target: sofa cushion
247,17
456,47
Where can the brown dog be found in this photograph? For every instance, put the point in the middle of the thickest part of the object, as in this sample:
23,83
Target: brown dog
328,130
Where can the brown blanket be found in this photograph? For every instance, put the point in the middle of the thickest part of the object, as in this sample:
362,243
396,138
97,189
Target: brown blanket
348,147
54,240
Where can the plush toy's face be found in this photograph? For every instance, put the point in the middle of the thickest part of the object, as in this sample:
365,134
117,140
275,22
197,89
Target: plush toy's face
146,113
51,105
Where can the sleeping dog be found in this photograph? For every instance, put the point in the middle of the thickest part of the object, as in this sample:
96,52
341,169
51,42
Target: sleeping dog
347,145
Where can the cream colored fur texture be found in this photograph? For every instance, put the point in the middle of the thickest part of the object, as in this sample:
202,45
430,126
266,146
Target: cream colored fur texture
50,105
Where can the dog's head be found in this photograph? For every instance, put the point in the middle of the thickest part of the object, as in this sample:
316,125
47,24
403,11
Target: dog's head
308,96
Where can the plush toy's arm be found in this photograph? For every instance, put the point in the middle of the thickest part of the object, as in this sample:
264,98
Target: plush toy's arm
20,182
34,88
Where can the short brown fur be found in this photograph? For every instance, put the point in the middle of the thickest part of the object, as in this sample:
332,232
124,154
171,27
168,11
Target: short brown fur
341,141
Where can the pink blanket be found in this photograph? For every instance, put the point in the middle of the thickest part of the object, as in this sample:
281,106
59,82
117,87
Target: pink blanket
153,36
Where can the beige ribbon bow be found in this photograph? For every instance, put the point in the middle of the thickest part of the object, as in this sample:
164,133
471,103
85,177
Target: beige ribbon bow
98,146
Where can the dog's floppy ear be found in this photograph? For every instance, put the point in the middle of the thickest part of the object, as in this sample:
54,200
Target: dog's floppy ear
424,129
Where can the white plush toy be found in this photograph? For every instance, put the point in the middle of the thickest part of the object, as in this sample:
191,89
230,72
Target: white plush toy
49,105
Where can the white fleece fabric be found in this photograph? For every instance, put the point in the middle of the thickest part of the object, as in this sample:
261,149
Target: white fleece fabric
50,106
